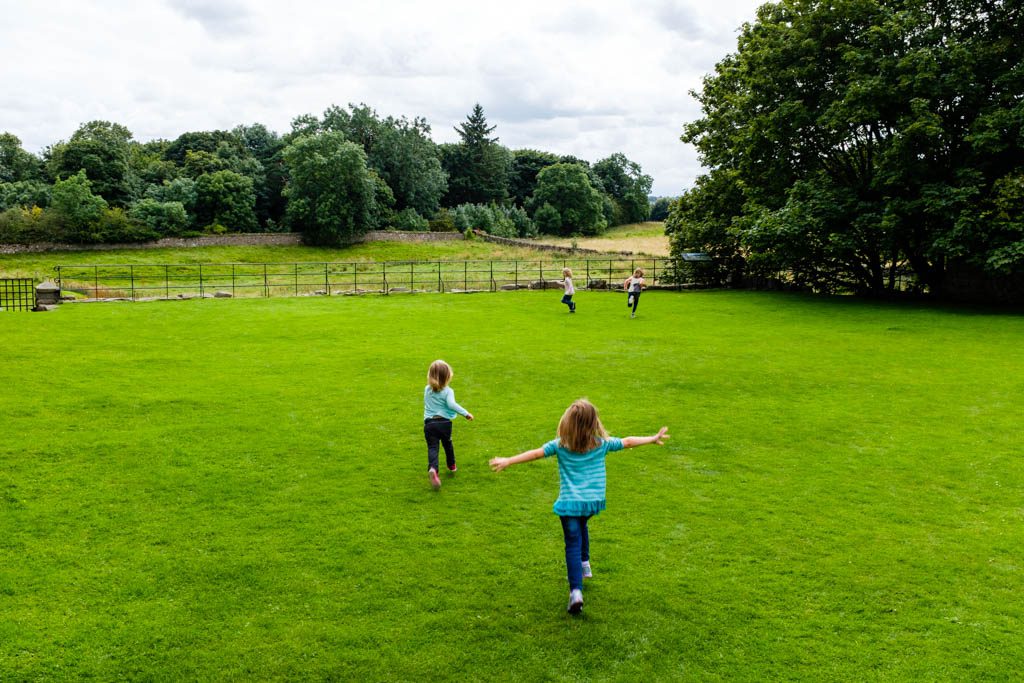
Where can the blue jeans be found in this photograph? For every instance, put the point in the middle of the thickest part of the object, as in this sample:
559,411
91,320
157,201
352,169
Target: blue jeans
567,300
577,548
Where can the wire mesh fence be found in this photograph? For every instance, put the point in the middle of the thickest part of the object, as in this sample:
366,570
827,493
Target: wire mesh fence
17,294
146,281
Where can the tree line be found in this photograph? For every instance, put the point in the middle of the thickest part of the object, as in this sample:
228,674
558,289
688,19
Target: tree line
332,178
846,142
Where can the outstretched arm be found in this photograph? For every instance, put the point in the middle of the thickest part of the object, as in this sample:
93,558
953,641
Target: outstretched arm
498,464
634,441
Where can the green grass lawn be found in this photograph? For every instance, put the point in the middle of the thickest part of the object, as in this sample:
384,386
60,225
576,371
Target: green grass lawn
236,490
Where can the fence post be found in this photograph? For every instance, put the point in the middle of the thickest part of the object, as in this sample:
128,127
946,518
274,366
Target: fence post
384,277
465,275
95,282
266,289
201,281
131,274
327,281
232,280
440,281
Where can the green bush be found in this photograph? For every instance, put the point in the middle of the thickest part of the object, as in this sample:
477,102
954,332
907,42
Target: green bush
442,221
409,219
114,225
24,226
162,218
494,219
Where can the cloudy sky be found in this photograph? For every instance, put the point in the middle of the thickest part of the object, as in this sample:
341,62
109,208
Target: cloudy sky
588,78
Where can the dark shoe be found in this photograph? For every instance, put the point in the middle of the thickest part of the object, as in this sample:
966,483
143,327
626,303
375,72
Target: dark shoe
452,469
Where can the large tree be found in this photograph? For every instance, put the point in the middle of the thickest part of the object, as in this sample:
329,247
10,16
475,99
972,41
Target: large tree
399,150
331,192
625,182
17,165
864,134
566,189
102,150
522,174
477,165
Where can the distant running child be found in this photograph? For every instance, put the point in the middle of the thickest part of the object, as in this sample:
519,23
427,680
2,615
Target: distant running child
569,289
633,285
439,409
581,447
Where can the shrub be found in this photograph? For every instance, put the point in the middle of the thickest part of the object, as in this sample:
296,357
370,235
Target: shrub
114,225
162,218
22,226
409,219
442,222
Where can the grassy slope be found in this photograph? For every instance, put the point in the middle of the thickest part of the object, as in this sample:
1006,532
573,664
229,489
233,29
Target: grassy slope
641,238
236,490
41,266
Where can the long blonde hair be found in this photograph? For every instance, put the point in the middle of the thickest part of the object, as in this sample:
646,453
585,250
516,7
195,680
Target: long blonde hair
639,272
566,272
580,428
439,374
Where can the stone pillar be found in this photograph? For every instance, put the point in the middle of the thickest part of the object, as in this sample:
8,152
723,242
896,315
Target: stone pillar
47,295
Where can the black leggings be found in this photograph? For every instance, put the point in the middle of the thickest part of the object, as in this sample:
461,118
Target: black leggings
439,432
636,299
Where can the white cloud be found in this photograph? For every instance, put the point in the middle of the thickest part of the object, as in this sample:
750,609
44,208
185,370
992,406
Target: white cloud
572,77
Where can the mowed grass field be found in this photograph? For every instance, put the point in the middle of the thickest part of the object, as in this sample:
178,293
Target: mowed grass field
236,490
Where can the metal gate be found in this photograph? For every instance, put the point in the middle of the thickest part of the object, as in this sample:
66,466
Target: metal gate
17,294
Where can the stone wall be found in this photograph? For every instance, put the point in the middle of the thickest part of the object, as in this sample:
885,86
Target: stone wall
398,236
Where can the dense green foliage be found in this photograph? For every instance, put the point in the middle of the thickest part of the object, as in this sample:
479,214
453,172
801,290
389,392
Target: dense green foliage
190,494
844,140
239,181
567,201
331,193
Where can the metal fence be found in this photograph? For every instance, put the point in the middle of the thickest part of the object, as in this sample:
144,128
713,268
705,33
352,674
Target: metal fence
136,282
17,294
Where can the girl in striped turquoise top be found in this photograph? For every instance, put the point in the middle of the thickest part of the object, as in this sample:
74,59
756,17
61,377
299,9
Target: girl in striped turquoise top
581,447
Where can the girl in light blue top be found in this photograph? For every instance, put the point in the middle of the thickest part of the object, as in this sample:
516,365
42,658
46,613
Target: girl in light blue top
439,409
581,447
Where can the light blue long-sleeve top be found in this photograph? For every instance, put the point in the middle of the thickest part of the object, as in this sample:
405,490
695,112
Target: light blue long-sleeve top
581,477
441,403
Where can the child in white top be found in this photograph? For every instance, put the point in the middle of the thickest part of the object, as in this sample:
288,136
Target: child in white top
569,289
633,286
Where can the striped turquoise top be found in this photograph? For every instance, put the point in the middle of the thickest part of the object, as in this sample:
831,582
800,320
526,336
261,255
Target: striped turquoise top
581,477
